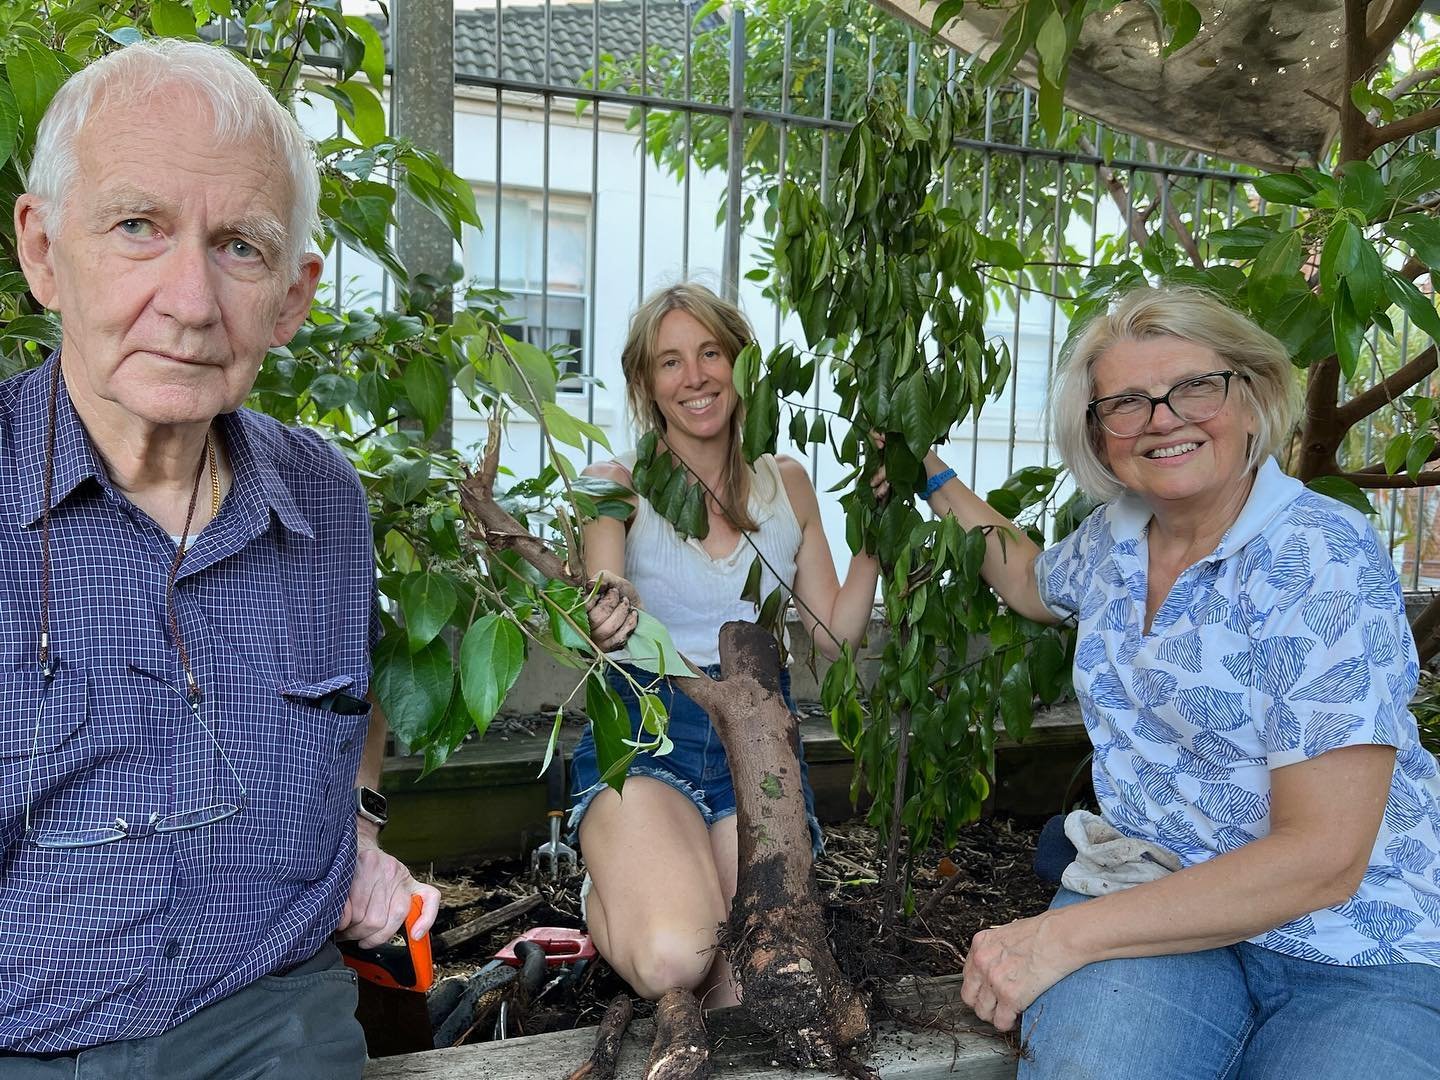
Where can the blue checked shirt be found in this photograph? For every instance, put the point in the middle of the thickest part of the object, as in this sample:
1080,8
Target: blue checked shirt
126,939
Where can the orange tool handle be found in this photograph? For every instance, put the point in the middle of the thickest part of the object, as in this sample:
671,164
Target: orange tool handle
407,967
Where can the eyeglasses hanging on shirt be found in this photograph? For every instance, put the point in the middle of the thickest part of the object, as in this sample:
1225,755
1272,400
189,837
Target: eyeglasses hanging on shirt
120,828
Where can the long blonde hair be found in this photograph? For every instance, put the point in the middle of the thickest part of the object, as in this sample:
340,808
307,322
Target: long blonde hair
732,332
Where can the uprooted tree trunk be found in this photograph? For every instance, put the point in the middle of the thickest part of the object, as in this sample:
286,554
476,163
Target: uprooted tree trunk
776,937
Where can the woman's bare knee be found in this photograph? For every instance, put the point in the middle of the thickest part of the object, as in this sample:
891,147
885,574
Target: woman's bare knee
665,960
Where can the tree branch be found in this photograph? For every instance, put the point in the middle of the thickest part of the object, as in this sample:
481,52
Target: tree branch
1119,195
1172,215
1355,130
1377,468
1399,480
1384,33
1387,390
1411,81
1403,128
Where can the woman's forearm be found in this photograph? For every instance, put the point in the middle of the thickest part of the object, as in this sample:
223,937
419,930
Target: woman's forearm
849,616
1009,566
1230,898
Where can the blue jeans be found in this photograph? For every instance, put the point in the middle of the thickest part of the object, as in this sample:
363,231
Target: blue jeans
1238,1013
697,766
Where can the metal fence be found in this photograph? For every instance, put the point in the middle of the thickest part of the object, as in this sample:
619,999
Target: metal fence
538,124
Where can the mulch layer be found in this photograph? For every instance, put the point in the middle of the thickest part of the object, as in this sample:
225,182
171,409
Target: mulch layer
986,880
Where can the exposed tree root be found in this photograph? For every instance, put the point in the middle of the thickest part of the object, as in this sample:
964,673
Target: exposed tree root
601,1065
681,1050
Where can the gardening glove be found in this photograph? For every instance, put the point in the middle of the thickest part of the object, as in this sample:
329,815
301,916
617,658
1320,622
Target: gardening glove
1107,861
612,606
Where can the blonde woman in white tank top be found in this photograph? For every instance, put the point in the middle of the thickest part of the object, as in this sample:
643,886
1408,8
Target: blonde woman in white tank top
662,860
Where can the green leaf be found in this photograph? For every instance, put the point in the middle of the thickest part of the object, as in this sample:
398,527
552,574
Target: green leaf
1048,670
694,516
917,417
9,122
366,116
1349,330
374,62
35,74
1396,452
570,429
1052,45
1421,232
171,19
651,648
1287,189
491,659
413,689
1342,490
565,609
1017,700
331,391
427,390
1184,21
1419,454
610,723
1361,188
1276,269
1419,307
427,601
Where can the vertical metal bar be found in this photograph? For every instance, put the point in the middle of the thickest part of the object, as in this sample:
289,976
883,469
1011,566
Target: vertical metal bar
339,248
829,97
984,222
587,359
1057,253
784,135
870,66
735,156
1015,335
912,62
946,180
499,126
644,146
689,159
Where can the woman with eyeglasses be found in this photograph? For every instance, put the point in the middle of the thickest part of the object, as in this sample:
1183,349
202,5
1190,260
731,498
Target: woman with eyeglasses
1244,668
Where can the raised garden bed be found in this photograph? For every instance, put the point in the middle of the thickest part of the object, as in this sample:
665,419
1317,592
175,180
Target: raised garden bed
936,1040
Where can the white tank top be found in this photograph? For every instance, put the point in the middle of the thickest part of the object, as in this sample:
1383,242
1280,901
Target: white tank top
693,593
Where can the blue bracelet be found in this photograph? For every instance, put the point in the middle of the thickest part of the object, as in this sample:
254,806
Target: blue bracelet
936,482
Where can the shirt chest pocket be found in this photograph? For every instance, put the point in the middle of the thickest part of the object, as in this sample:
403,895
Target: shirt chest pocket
44,741
308,798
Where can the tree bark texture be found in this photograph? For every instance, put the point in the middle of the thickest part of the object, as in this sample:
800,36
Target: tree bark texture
680,1051
608,1039
776,937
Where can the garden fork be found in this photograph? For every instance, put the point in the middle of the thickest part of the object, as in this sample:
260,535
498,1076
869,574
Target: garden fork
555,851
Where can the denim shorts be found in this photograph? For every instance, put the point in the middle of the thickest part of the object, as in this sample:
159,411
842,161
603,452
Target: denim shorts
696,767
1242,1012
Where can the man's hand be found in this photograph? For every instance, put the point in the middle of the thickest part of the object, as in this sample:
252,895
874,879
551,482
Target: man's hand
380,894
1010,966
612,607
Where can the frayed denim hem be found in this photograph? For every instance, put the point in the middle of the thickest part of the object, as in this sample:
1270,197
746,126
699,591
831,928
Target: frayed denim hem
654,772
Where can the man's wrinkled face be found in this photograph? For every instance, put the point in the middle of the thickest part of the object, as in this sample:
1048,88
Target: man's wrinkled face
170,266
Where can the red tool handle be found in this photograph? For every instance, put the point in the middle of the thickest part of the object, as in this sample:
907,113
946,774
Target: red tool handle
399,967
561,945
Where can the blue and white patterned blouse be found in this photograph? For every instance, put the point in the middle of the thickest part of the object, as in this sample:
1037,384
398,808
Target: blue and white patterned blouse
1289,640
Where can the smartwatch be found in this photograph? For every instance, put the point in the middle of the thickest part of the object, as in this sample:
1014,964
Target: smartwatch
372,806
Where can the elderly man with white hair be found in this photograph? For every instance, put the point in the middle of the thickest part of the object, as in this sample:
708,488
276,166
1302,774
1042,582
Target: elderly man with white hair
187,602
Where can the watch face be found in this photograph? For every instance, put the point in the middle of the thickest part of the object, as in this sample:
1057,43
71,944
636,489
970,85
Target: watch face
371,803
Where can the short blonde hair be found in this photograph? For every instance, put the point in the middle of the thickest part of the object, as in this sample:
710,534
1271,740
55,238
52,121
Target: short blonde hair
727,324
1188,314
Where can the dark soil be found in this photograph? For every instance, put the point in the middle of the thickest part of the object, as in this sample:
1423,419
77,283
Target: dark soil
986,880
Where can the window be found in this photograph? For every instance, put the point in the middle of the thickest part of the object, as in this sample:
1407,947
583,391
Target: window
550,289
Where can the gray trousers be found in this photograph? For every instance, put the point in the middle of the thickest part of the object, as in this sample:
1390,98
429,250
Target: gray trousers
300,1024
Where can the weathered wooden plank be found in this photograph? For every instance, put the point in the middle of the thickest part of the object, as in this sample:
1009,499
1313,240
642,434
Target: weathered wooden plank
950,1045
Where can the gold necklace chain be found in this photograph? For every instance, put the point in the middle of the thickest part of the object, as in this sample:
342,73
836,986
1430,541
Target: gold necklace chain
213,457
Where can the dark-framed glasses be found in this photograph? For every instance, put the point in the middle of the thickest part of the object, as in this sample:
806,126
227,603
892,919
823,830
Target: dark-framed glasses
216,810
1194,400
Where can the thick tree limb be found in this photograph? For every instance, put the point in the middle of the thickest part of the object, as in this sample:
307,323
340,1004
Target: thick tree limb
1321,433
601,1064
1354,129
1426,629
1409,375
